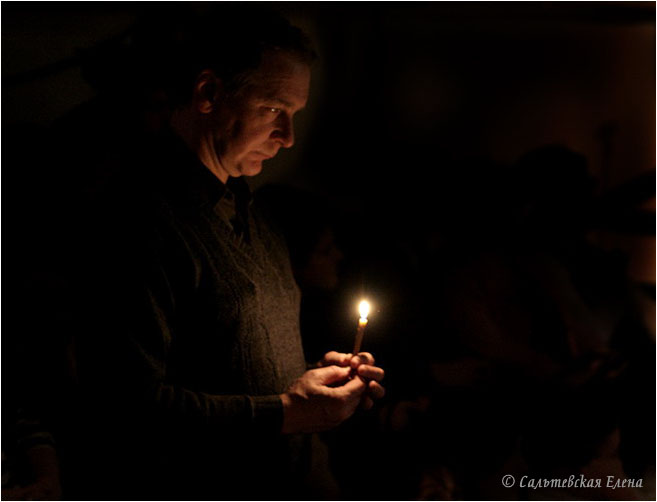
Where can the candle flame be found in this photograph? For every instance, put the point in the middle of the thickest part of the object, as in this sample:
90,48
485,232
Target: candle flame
364,309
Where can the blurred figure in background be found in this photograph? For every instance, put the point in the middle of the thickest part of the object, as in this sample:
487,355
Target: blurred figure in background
30,465
37,358
527,306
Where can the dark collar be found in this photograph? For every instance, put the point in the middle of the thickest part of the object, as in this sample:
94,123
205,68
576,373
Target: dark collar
185,181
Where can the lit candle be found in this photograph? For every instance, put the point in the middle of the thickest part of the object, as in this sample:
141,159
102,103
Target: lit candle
364,309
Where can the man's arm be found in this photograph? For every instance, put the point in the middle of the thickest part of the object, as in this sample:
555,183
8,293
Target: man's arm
126,360
123,368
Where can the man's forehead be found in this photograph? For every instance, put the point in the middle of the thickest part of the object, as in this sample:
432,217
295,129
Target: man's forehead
277,99
282,79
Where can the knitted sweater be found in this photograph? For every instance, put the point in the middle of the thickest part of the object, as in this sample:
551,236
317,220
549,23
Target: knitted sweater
196,333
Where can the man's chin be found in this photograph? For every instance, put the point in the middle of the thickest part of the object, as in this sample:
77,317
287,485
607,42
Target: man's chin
252,168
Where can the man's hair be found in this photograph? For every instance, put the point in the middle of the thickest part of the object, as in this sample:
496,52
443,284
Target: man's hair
168,48
231,42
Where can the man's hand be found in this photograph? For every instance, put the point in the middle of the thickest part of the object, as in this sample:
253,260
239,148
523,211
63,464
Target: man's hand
321,399
363,366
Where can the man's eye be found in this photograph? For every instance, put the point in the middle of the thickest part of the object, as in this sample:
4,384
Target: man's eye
273,110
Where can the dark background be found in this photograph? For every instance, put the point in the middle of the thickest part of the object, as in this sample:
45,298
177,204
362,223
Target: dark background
417,113
402,90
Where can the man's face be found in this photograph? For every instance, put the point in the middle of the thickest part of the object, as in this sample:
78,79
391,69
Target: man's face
252,125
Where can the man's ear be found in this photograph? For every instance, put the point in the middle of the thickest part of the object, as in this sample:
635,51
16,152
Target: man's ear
208,92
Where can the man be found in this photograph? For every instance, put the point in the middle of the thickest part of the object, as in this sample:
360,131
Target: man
192,366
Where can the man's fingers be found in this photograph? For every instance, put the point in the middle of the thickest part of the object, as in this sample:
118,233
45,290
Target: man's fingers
366,403
335,358
362,358
354,387
330,374
375,390
371,372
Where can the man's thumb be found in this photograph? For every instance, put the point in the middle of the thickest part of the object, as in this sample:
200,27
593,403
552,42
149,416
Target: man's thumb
331,374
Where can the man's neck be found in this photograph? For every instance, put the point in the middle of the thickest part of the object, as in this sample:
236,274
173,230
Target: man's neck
198,139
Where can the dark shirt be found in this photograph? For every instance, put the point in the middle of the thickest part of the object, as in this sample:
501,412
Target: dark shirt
193,334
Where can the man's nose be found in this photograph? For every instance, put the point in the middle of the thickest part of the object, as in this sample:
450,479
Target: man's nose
284,132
